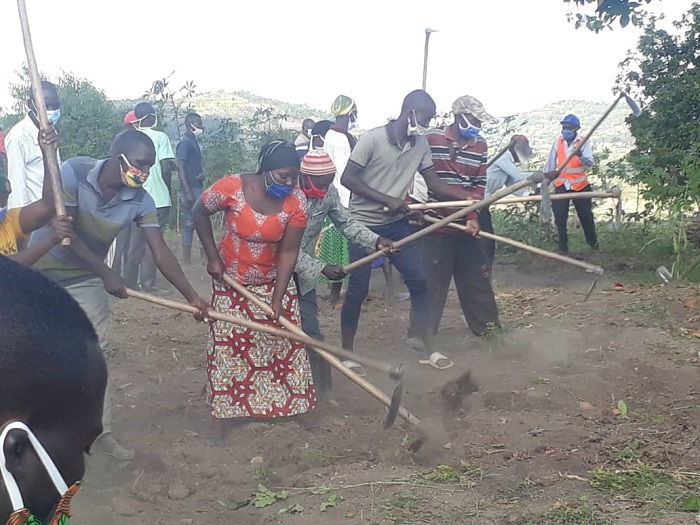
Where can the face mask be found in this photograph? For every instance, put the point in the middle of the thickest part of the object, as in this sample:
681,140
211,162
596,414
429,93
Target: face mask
21,515
138,125
352,123
470,131
415,129
568,134
197,132
312,191
53,116
3,213
133,177
275,189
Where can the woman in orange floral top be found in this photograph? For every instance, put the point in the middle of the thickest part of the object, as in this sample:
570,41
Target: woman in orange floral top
251,374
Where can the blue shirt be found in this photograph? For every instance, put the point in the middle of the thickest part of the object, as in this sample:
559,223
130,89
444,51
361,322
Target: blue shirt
188,151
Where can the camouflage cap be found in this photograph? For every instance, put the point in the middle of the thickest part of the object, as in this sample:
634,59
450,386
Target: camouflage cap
469,105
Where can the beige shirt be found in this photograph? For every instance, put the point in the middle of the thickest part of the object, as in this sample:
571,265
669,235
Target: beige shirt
388,169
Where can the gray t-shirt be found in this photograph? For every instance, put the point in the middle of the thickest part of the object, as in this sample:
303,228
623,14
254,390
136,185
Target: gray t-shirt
388,169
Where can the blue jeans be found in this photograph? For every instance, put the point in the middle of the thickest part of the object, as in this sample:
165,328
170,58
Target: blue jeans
188,227
408,262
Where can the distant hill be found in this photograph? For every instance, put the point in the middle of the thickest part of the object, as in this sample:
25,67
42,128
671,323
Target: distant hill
240,105
543,125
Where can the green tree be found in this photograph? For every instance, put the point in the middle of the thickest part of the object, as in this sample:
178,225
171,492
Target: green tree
607,12
664,74
88,122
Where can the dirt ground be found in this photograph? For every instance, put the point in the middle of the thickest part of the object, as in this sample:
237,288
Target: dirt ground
586,413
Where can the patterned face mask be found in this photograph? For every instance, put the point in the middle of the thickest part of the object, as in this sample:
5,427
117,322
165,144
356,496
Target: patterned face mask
21,515
132,176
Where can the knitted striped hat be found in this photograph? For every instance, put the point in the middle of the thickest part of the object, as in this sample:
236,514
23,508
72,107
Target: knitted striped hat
317,162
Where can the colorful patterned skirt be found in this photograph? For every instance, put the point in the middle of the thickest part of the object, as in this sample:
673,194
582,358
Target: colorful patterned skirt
251,374
332,247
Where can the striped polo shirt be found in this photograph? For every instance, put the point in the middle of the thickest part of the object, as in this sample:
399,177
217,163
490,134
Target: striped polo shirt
96,222
455,164
465,165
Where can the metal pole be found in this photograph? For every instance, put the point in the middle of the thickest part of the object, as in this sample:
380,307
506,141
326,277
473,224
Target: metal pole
425,58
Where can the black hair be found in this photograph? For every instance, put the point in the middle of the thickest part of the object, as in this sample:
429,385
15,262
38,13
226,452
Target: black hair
50,358
321,127
190,118
127,141
308,120
46,86
417,99
144,108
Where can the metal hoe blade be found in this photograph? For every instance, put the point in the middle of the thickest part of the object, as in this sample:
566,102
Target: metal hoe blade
636,110
393,409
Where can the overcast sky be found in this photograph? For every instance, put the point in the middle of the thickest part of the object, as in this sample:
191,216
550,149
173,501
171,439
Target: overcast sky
511,55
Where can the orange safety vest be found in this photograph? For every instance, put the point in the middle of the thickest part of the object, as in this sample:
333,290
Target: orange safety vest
574,175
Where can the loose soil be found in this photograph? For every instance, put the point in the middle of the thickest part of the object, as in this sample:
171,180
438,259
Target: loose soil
524,448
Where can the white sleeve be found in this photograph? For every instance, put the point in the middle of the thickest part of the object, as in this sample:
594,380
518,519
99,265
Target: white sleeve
338,149
16,172
551,163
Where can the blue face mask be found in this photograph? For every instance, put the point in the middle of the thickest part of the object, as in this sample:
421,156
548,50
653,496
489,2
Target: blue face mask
277,190
3,213
53,115
468,133
568,134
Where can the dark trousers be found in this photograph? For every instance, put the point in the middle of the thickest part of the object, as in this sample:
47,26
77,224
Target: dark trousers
488,245
139,265
584,210
459,256
407,261
320,368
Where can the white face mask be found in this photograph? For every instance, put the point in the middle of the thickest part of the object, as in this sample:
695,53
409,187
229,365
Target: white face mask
352,123
197,131
415,129
9,480
138,125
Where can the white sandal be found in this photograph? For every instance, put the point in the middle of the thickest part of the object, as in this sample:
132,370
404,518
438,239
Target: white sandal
438,360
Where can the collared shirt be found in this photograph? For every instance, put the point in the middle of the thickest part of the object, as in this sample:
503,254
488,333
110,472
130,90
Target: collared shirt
503,172
586,153
388,169
467,169
338,147
25,163
189,152
155,185
308,268
96,222
464,166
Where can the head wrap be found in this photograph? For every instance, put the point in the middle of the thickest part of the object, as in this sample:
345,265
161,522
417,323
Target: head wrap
316,163
342,105
468,105
321,128
276,155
